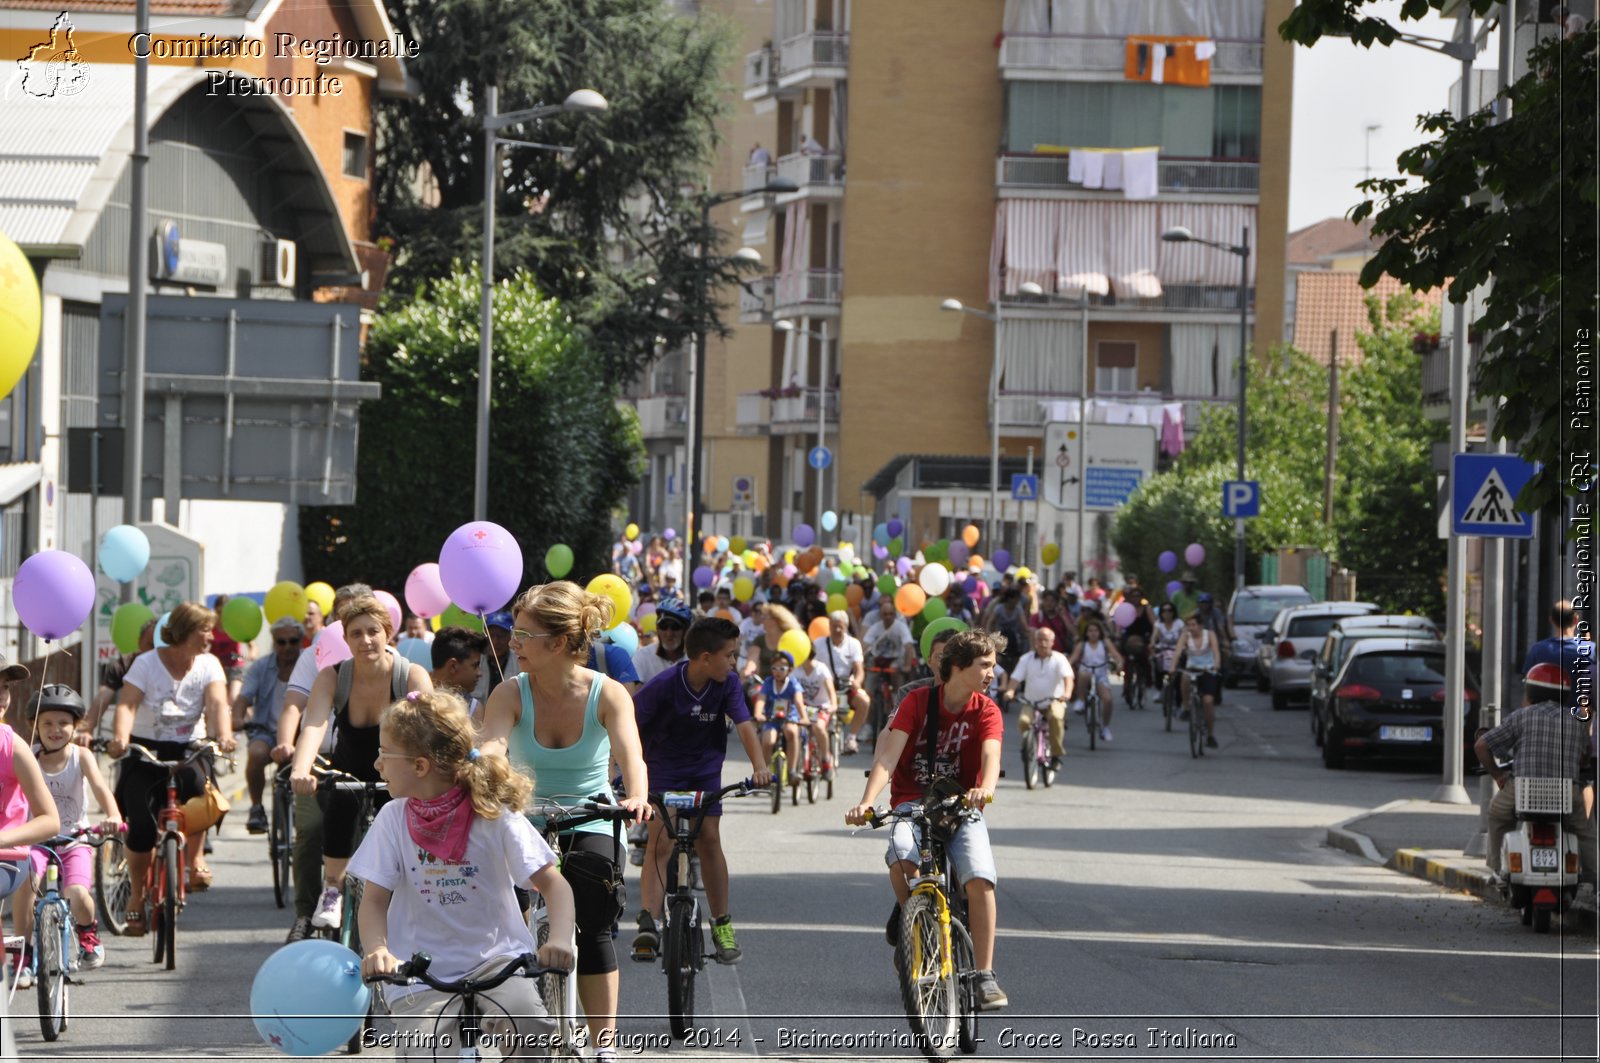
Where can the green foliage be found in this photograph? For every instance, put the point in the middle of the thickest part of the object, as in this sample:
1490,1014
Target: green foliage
1168,512
562,454
573,221
1312,20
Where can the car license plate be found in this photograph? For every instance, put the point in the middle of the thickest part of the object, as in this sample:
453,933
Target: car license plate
1543,859
1406,734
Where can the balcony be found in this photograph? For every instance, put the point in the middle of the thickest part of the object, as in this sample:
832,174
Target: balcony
1436,374
813,292
760,73
787,411
1174,298
1175,175
757,175
1074,57
819,176
1030,409
755,301
662,415
814,59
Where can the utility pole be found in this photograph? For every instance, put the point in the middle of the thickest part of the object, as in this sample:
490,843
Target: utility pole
1333,427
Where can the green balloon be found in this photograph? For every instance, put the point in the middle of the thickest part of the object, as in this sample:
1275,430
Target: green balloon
241,619
837,587
897,546
837,603
126,622
558,560
944,623
935,609
455,616
887,584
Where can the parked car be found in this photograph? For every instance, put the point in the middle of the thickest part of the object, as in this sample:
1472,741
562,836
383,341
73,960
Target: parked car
1295,637
1250,613
1388,701
1336,648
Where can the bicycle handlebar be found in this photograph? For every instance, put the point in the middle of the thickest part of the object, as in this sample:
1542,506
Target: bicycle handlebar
334,779
415,971
563,817
196,749
700,800
883,817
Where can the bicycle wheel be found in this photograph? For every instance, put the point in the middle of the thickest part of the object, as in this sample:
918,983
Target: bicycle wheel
1197,729
553,989
165,914
350,938
1030,764
50,968
776,764
811,787
280,849
927,978
1042,757
1168,696
966,973
1091,717
683,939
112,885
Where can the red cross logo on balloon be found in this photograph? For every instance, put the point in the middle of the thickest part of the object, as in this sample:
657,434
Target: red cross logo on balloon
480,535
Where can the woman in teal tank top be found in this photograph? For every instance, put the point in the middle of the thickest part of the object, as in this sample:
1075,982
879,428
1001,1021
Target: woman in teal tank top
563,724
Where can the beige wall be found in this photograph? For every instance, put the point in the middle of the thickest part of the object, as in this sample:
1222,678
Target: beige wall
1277,106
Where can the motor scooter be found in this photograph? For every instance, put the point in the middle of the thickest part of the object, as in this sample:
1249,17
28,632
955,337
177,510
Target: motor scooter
1540,857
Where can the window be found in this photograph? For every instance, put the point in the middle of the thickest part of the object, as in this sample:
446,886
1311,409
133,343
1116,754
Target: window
1115,366
355,155
1223,121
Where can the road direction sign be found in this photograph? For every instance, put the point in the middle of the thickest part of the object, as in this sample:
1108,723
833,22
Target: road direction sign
1024,487
1241,498
1483,492
820,457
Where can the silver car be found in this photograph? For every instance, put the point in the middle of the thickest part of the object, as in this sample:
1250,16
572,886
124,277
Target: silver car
1250,613
1296,636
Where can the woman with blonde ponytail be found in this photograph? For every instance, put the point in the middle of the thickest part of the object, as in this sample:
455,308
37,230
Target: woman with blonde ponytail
563,723
439,865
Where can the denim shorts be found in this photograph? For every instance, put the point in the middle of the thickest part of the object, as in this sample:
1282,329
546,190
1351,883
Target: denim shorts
969,849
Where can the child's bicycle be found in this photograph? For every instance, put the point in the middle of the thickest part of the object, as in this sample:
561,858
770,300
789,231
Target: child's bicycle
838,727
112,882
166,885
810,768
778,763
55,945
472,1023
347,933
1037,763
934,955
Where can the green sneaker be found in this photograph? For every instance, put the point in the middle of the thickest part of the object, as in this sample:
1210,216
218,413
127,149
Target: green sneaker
722,937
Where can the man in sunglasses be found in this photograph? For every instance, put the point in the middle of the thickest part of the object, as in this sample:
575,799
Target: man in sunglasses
258,706
672,620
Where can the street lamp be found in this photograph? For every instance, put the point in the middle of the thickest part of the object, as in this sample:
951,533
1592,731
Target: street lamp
585,101
697,365
1180,235
785,325
994,414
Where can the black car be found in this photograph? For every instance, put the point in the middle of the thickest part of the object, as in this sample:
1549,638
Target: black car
1388,701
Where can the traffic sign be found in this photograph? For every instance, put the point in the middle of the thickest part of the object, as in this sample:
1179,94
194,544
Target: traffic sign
1483,492
820,457
1024,487
1241,498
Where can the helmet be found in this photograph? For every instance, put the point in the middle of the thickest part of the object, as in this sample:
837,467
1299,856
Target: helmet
1204,597
56,697
674,609
1550,676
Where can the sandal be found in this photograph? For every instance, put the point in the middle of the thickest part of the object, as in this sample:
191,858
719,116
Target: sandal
199,879
133,923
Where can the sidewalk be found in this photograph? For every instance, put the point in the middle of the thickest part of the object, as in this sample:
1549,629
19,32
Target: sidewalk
1424,840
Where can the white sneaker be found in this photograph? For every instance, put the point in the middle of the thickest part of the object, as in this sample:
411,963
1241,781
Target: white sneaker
25,978
1105,734
1077,707
330,910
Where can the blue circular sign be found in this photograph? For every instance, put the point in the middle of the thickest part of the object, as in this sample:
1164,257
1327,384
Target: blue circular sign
820,457
169,247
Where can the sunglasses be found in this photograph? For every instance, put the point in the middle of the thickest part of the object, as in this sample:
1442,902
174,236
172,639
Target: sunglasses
286,642
670,625
519,635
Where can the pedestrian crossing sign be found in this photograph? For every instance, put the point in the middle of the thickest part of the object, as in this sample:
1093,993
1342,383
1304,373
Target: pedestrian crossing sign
1024,487
1483,493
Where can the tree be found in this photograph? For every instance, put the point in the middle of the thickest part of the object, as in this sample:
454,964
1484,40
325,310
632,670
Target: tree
612,229
562,453
1536,245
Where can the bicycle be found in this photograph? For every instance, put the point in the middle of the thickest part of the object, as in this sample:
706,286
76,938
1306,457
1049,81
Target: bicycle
1197,723
470,1019
1133,677
1091,708
838,727
1037,763
810,767
280,838
112,882
558,989
934,956
166,886
880,688
778,764
348,932
1169,698
683,945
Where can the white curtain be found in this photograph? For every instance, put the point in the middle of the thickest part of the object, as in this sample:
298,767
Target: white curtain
1041,355
1205,360
1031,240
796,259
1193,263
1227,19
1132,250
1027,16
1081,247
788,20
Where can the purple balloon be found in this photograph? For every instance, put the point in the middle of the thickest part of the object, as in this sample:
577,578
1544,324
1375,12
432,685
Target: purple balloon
879,552
1001,560
480,566
704,577
1173,588
670,534
970,584
1167,561
895,528
804,535
904,566
1124,613
959,554
54,593
1195,554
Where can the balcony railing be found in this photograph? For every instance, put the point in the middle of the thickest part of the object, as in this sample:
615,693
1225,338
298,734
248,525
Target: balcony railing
1436,370
811,172
757,174
787,411
1177,174
662,415
755,301
807,288
823,54
1029,409
1043,54
760,73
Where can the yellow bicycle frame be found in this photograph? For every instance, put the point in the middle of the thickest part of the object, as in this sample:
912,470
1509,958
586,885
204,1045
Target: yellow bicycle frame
930,888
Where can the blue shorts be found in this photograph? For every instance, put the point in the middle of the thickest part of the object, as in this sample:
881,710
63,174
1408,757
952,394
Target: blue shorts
969,849
711,783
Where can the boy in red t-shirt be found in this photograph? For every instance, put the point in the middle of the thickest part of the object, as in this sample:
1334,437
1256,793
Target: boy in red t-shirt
967,749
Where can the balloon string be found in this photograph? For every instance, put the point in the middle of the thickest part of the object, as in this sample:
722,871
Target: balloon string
494,654
44,680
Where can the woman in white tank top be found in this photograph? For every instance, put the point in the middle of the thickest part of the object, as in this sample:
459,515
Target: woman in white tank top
1092,660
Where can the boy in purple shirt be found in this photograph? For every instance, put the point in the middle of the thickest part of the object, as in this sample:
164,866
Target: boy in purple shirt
682,715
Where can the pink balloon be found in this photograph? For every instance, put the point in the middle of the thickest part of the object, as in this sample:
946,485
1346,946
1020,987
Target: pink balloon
424,593
54,593
1124,613
480,566
391,603
1195,554
330,647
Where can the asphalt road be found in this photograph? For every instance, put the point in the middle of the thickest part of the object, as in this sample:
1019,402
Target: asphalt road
1151,906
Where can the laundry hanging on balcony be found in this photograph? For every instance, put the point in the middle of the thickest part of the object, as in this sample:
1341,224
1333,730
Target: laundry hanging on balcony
1136,171
1169,60
795,262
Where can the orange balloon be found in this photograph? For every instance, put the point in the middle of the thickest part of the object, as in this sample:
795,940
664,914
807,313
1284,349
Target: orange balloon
779,579
710,544
760,563
910,599
969,535
819,628
853,594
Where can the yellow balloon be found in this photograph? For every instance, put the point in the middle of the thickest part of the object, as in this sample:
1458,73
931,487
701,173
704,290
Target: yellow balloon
611,586
322,594
1050,554
737,545
837,602
631,531
797,644
1024,573
436,622
286,599
789,555
743,588
648,624
751,558
19,314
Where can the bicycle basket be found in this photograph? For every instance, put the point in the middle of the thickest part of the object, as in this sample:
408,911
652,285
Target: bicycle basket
1543,796
943,821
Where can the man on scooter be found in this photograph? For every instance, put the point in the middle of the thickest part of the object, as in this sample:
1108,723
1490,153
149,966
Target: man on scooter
1540,740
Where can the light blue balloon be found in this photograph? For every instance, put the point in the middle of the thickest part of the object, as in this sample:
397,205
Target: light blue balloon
881,536
124,552
308,998
417,651
625,636
722,544
830,520
161,623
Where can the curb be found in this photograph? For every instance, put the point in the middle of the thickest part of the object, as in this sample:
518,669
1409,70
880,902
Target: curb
1340,836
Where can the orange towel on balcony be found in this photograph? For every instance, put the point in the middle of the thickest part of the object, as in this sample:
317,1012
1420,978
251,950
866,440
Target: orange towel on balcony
1179,67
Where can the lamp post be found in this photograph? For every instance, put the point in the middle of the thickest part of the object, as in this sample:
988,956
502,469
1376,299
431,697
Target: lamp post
585,101
697,365
1180,235
785,325
955,305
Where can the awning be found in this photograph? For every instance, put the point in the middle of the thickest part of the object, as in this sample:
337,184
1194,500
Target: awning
17,479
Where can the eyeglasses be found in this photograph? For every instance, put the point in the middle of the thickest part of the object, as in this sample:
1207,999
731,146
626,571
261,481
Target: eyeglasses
670,625
519,635
286,642
384,754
